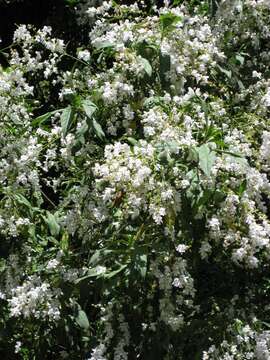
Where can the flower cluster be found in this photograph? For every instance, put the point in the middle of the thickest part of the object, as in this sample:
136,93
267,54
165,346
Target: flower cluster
34,298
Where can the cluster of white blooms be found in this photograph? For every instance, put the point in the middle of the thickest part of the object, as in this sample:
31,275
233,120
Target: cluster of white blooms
246,20
171,306
33,60
100,10
35,298
249,344
153,121
12,226
266,98
84,55
112,92
130,172
265,149
97,353
119,352
226,228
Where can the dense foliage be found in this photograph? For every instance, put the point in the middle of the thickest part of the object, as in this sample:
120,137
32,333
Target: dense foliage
134,184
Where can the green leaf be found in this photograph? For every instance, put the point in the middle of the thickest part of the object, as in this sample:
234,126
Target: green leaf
242,187
95,258
227,36
172,146
240,59
52,223
99,255
168,20
82,130
80,137
64,241
207,158
98,129
132,141
72,2
103,45
115,272
2,265
240,84
43,118
155,100
193,155
146,65
89,107
66,119
266,324
82,320
228,73
22,200
91,273
204,196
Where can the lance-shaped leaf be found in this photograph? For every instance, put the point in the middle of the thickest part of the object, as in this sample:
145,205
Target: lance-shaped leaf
111,274
22,200
207,158
82,320
146,65
43,118
228,73
52,223
66,119
103,45
89,107
98,129
95,272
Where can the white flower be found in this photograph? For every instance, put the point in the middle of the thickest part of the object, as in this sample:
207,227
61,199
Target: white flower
214,224
181,248
101,269
177,283
266,98
256,74
17,347
84,55
34,298
52,264
98,353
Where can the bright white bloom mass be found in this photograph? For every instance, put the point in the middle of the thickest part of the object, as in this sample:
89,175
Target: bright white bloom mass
36,299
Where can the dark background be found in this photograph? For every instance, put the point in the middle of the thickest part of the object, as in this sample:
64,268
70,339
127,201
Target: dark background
57,13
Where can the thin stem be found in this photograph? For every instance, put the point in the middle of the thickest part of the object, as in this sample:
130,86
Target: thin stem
50,201
74,58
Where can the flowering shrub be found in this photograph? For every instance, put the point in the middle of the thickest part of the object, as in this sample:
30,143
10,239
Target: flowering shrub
134,186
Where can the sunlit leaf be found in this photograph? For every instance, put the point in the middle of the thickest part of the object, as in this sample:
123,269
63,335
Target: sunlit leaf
82,320
207,158
66,119
146,65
